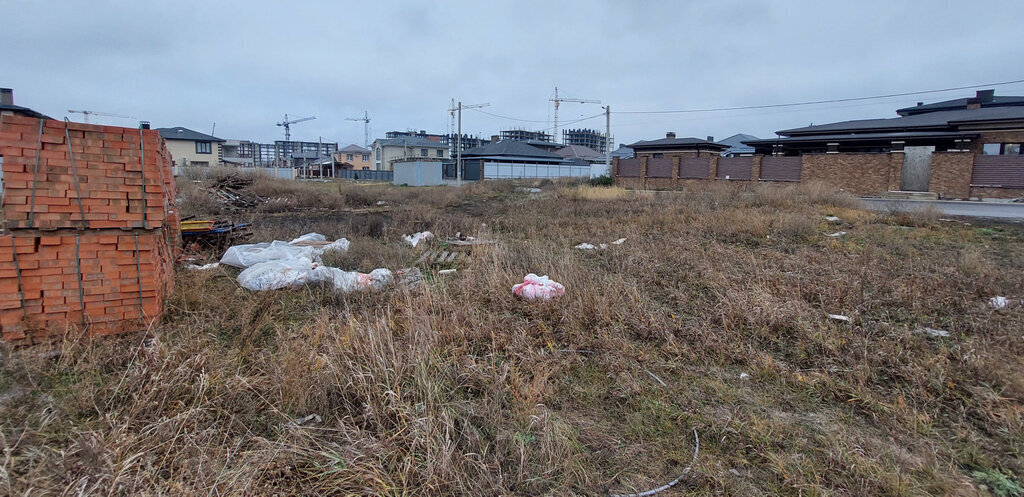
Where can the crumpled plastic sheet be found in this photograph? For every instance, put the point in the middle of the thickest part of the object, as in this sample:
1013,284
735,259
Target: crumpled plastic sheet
245,256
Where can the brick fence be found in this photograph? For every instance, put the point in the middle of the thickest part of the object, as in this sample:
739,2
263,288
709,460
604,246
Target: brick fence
953,174
91,228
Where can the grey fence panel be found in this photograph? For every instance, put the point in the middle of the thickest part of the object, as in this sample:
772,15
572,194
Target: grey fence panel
659,168
630,168
695,167
365,175
781,168
998,171
738,168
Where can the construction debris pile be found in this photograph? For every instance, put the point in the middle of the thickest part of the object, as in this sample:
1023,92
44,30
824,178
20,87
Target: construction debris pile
213,236
92,228
231,192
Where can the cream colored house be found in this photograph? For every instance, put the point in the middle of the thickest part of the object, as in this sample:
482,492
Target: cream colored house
386,151
192,148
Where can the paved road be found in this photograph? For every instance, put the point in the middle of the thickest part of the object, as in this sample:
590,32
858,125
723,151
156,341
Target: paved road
950,207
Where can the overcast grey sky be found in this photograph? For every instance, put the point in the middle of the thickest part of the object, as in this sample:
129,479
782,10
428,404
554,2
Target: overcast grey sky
244,65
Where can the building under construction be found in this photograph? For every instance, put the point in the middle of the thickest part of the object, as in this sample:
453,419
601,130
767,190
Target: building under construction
280,153
588,138
523,135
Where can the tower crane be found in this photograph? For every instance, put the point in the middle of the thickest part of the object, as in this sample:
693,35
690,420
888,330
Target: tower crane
88,113
366,126
458,141
557,100
287,125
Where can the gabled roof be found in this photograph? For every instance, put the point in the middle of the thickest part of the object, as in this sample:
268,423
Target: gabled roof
354,149
180,133
578,151
509,148
409,141
918,122
736,144
681,143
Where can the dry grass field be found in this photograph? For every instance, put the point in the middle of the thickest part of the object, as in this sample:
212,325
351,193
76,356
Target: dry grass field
711,317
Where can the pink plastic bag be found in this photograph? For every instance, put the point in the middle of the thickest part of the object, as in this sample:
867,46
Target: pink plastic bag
538,287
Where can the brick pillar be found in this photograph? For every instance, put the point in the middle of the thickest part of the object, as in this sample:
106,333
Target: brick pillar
643,170
615,167
713,170
675,171
755,173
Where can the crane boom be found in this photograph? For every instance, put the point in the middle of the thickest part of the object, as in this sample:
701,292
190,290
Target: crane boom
88,113
557,100
287,125
366,126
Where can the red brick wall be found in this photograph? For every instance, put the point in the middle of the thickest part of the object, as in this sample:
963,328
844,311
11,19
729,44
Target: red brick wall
68,258
951,174
860,174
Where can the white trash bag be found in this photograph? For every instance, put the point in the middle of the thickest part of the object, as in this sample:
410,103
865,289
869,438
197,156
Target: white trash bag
417,238
538,287
275,275
352,281
244,256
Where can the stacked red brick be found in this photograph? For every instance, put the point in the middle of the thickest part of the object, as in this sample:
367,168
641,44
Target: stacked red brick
92,231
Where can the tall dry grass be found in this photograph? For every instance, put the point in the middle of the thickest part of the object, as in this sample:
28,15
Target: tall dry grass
457,388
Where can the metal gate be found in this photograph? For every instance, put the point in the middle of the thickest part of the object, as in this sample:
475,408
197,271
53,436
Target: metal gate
917,168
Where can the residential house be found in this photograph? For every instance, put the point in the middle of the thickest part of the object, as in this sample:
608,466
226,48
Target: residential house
7,106
736,146
388,150
670,146
507,159
580,153
960,148
353,157
192,148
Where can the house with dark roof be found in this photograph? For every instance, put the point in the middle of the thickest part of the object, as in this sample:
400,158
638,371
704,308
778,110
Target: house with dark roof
513,159
671,146
192,148
580,153
388,150
736,146
960,148
7,106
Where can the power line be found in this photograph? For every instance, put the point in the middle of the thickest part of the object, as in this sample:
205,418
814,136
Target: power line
816,102
509,118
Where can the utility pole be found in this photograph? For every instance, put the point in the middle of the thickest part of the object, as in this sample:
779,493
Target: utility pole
607,139
458,141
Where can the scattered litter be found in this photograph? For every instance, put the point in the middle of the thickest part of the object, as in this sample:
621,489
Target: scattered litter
312,418
352,281
446,271
443,257
934,332
602,246
734,472
461,240
744,376
538,287
230,191
656,378
833,219
836,234
839,317
529,190
213,235
382,202
696,450
417,238
997,302
193,267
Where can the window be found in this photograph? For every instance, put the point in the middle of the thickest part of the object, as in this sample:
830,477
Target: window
1001,149
203,147
366,157
350,157
659,155
440,152
423,152
378,154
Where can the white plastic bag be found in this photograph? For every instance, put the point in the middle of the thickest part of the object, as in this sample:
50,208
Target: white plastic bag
417,238
275,275
538,287
245,256
352,281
